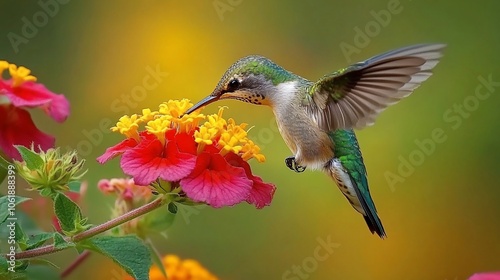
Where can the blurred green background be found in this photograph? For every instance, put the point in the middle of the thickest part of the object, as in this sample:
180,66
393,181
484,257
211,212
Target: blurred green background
441,216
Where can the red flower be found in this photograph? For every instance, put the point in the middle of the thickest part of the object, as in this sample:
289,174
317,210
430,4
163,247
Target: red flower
117,150
261,193
16,127
151,159
208,161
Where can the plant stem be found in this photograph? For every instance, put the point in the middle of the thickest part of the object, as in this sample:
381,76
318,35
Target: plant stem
160,201
49,249
82,257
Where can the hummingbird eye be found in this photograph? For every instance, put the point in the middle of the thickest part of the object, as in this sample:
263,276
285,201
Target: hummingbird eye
233,85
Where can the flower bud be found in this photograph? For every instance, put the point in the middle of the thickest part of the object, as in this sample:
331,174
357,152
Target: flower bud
50,172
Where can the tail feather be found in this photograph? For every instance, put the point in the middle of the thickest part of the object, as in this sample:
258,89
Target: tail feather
360,200
371,218
375,227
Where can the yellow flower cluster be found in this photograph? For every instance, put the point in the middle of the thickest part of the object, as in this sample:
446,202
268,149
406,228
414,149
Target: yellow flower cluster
178,269
231,137
170,115
19,74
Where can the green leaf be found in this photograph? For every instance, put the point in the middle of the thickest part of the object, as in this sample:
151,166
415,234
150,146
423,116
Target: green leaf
129,252
74,186
32,159
4,168
68,213
20,237
172,208
80,249
3,174
5,211
22,265
14,271
60,242
25,222
4,163
158,220
3,265
22,275
37,240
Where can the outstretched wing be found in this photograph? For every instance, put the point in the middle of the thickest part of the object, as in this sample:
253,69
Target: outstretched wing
354,96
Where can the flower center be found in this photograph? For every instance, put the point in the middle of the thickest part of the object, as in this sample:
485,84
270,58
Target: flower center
19,74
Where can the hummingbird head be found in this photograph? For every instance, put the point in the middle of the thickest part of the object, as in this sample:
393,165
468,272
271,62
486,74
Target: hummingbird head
252,79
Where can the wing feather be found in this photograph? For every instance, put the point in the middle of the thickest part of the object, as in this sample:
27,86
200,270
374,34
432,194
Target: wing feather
353,97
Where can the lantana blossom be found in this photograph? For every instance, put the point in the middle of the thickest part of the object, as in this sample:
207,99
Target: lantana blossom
179,269
205,155
19,92
128,196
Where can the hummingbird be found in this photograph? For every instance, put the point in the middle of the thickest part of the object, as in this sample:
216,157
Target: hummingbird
316,119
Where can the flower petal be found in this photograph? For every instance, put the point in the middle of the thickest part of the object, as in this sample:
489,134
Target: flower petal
486,276
216,182
150,160
262,193
17,128
117,150
185,142
32,94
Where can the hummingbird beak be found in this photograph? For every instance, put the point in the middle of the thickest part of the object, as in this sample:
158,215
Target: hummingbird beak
205,101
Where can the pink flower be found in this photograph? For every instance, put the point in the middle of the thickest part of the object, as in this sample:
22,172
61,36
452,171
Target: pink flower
16,126
216,182
125,189
486,276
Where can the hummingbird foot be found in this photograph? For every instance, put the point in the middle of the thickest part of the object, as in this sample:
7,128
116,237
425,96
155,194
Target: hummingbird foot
292,164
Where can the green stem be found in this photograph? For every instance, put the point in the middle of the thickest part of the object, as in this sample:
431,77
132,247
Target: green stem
49,249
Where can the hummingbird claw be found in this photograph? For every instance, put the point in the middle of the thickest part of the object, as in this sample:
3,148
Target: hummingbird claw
292,165
289,162
299,168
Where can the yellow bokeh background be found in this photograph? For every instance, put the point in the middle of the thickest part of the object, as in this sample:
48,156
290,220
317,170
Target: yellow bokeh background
442,220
